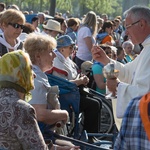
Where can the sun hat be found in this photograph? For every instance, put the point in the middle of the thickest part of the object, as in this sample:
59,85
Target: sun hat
53,25
64,40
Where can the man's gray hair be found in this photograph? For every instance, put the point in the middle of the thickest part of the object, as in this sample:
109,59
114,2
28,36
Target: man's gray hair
138,12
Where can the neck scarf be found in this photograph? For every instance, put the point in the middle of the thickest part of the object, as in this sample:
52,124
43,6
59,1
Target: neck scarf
4,42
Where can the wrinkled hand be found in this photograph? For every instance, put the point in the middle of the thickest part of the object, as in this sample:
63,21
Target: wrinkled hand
84,80
99,55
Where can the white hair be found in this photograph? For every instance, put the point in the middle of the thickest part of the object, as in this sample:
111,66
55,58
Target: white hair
126,43
139,12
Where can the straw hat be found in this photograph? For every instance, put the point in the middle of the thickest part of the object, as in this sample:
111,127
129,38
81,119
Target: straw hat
53,25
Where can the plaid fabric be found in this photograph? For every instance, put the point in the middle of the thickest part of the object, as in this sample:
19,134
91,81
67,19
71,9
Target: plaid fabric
132,135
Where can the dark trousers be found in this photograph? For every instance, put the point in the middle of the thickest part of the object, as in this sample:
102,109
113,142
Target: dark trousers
92,113
78,62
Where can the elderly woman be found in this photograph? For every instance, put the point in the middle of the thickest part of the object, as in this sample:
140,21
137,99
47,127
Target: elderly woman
128,47
89,106
18,126
40,49
12,23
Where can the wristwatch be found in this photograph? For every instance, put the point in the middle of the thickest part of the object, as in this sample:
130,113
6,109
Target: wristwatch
118,84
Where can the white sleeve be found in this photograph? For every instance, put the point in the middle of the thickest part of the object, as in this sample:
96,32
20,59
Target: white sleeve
135,81
39,93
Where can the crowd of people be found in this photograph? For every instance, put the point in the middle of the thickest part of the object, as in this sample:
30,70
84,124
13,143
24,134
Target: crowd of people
28,50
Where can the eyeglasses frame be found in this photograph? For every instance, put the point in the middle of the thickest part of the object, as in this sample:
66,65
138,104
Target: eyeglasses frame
130,25
16,25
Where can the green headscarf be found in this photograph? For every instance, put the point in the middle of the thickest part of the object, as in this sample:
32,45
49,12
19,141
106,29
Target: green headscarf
16,71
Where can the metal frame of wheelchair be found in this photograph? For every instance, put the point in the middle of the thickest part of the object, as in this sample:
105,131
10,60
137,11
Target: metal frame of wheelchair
73,108
83,145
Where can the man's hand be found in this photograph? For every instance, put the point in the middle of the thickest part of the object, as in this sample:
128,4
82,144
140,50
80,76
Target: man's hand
112,85
99,55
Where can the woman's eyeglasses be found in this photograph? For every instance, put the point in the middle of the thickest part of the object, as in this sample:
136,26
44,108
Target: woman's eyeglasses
108,53
16,25
73,47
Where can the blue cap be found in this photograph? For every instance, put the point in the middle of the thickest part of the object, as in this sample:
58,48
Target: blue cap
64,41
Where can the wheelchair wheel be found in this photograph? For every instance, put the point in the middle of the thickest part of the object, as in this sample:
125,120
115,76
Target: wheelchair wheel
107,120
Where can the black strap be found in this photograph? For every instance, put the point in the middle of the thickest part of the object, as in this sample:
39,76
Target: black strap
3,48
20,46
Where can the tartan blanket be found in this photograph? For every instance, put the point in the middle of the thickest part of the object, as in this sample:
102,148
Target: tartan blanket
132,135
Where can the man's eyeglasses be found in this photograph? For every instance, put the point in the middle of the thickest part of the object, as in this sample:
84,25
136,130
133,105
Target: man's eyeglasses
128,26
16,25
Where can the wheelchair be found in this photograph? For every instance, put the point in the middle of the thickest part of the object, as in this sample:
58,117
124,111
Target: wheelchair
69,98
107,119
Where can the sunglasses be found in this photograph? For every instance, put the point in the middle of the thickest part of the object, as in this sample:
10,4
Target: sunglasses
16,25
72,47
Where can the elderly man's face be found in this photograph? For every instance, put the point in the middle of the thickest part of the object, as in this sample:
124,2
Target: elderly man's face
133,30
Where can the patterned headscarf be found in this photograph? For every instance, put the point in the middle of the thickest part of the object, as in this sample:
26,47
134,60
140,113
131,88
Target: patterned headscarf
16,71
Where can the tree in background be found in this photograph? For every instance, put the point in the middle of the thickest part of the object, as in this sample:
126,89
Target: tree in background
78,7
52,7
127,4
102,6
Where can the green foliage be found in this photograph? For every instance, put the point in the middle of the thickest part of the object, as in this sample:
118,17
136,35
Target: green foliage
110,7
64,5
77,7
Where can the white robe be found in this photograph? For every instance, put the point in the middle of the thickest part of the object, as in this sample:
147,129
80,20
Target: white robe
135,78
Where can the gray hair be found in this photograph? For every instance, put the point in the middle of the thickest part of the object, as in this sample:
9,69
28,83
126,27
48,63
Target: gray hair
138,12
126,43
